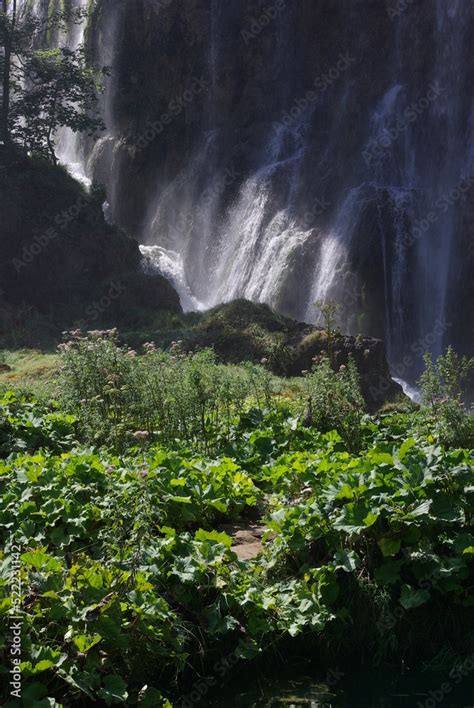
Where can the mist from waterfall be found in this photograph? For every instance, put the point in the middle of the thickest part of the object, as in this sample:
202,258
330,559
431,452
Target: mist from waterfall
255,243
283,200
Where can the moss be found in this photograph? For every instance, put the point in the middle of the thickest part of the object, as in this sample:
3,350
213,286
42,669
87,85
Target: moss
240,314
314,341
403,405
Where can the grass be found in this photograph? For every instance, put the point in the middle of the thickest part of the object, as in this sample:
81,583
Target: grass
28,367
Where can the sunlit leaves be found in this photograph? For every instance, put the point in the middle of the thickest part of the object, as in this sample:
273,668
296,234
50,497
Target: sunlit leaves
127,575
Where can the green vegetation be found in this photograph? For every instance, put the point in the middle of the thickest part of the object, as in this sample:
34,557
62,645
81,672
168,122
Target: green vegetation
116,498
245,331
328,311
163,396
27,367
335,401
442,391
63,95
43,89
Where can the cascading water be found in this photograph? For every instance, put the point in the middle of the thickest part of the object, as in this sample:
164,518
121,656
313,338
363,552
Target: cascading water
170,264
450,71
256,240
68,144
332,261
252,161
69,147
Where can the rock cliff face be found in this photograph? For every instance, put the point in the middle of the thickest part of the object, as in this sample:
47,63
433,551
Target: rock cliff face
61,265
292,151
287,152
243,331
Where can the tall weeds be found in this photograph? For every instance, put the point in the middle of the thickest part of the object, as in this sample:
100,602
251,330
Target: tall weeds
165,396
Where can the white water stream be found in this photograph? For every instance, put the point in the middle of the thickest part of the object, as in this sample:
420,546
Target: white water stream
219,232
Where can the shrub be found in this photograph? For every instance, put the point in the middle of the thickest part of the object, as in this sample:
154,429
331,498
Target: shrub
27,425
166,396
98,382
443,412
328,311
335,402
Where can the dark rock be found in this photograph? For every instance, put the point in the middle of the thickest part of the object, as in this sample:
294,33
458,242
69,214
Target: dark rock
369,355
244,331
61,263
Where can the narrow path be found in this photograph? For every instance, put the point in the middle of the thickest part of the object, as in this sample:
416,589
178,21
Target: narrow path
246,538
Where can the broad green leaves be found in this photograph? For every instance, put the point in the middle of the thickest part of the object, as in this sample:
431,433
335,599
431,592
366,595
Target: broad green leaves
389,546
127,575
114,689
355,517
411,598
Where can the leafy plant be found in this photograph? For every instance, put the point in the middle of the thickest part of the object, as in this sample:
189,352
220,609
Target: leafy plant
328,311
335,402
43,89
443,411
164,396
60,91
27,425
130,583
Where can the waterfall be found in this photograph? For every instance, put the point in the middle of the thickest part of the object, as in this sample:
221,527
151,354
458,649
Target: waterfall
396,264
434,252
256,240
332,261
170,265
69,147
68,144
254,244
302,170
413,392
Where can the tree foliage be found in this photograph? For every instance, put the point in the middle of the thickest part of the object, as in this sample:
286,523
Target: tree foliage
44,89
